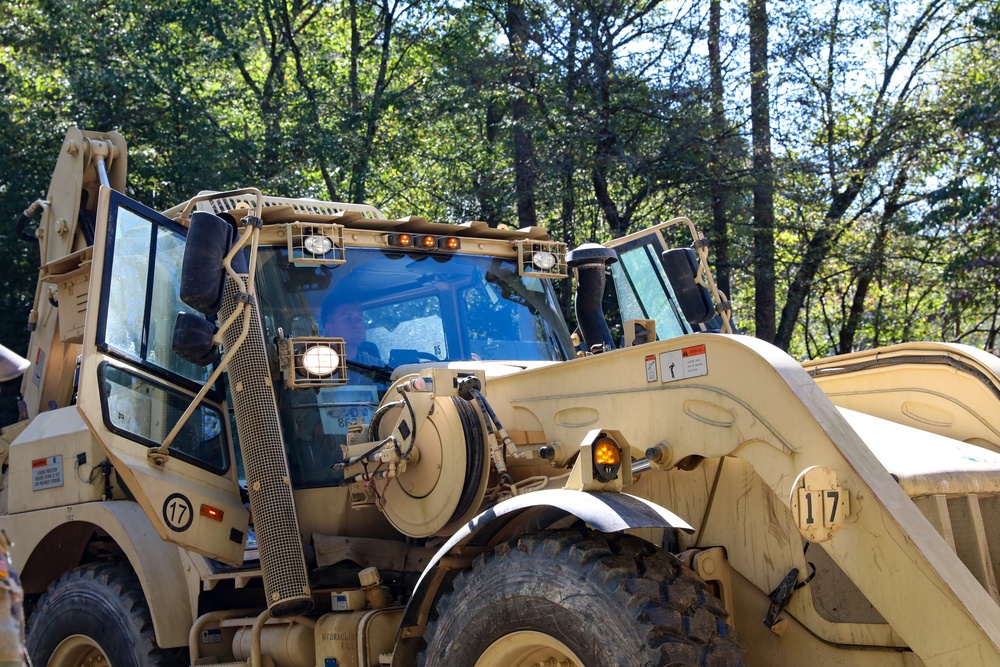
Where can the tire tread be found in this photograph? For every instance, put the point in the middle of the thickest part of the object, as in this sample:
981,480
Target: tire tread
122,586
683,623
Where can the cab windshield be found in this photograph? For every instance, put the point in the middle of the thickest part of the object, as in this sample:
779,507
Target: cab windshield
392,309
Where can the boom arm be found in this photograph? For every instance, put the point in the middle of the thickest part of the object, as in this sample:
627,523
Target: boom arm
65,238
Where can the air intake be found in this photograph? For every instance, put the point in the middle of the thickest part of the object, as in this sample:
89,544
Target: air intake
286,582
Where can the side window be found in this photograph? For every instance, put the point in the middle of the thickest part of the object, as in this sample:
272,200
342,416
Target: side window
644,292
139,304
146,411
501,324
127,288
142,270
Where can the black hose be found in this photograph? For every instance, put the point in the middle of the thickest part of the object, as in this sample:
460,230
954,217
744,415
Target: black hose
489,408
413,431
376,419
19,229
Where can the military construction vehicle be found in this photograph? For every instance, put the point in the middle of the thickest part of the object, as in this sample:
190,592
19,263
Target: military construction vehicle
269,431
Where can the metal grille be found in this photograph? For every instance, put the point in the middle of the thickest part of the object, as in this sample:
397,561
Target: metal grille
962,521
835,596
325,371
301,254
301,206
526,251
286,581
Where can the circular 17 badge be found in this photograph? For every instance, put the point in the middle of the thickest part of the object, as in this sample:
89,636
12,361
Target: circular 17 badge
177,512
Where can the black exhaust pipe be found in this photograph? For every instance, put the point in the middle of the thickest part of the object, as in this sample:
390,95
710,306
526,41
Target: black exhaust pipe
590,262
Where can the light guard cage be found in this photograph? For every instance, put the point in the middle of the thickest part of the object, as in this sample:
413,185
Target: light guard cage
301,255
526,251
297,376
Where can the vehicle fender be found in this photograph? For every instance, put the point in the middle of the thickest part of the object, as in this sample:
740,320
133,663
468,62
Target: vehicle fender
521,515
52,541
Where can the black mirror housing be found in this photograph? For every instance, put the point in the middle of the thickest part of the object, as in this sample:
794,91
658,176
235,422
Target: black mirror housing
192,339
681,266
209,239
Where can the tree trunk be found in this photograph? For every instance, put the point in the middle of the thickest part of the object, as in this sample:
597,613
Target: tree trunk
816,252
718,188
763,174
866,274
872,266
484,185
607,147
362,161
567,214
525,167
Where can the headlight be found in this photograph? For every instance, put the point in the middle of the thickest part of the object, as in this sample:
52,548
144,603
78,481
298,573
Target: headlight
317,245
320,361
543,260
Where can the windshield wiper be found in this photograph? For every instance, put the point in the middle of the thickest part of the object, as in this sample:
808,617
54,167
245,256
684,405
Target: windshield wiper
384,371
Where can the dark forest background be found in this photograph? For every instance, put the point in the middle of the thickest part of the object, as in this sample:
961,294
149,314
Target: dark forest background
840,155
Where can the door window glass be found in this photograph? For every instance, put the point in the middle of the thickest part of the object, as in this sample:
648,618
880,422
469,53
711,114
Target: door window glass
140,296
644,291
146,411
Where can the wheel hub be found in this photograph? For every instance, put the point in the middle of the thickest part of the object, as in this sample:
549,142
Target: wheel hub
527,648
78,651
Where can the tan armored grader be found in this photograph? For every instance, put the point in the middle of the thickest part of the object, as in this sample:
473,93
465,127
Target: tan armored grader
286,432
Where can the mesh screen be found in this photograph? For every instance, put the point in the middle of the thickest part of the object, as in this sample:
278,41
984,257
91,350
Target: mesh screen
286,582
835,597
970,541
989,507
969,524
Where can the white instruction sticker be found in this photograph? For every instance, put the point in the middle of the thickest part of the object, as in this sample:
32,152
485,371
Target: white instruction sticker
686,363
212,636
46,473
651,368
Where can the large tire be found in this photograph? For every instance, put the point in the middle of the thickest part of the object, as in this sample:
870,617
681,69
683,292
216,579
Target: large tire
95,615
579,598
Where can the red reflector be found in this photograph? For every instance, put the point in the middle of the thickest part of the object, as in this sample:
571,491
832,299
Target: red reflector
211,512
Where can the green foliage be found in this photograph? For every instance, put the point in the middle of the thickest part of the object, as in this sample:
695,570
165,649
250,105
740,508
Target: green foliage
884,117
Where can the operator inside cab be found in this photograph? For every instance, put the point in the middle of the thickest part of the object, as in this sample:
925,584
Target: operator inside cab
346,320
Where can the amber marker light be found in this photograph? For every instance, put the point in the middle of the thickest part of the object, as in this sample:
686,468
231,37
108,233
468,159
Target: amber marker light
428,241
607,459
211,512
449,243
401,240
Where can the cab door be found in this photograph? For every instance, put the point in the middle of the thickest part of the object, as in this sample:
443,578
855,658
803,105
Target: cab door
133,388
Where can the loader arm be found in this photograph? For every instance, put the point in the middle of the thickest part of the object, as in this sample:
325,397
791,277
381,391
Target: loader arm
752,402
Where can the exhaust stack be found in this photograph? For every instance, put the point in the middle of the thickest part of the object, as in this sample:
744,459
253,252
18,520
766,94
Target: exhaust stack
590,262
283,567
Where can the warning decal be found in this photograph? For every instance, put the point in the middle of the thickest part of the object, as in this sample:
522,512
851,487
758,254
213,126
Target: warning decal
46,473
686,363
651,368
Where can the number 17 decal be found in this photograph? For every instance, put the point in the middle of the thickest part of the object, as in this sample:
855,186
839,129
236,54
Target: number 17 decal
819,504
177,512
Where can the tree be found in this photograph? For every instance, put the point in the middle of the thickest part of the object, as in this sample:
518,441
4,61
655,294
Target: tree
763,174
849,127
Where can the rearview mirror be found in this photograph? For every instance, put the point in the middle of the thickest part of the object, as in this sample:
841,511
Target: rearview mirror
681,265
